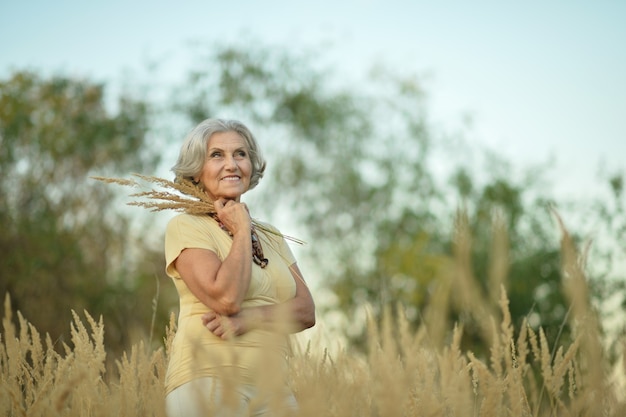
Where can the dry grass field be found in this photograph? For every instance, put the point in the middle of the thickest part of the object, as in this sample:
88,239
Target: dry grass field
403,373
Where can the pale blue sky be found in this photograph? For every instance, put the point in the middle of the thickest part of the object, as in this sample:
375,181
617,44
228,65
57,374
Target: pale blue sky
538,77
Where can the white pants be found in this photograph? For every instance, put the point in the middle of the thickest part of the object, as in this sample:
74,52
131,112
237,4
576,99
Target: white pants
204,397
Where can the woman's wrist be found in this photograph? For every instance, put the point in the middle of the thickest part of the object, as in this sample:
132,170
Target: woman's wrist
250,318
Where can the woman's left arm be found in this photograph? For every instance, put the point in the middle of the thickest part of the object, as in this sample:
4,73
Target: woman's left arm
291,316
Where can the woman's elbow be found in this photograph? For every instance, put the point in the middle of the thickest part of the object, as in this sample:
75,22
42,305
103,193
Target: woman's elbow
231,309
226,307
310,322
224,302
308,319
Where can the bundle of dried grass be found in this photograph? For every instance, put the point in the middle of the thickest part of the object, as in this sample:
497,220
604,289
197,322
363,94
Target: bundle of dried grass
181,195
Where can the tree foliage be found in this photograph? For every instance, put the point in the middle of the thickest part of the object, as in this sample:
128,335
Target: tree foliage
64,244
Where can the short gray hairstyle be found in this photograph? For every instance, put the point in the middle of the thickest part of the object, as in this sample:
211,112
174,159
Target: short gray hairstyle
194,149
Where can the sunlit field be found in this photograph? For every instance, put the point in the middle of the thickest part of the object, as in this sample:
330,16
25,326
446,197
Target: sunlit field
403,372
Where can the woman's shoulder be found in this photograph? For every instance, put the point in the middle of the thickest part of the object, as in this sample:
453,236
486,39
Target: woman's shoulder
184,220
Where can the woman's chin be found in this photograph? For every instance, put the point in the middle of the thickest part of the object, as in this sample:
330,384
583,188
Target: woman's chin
229,196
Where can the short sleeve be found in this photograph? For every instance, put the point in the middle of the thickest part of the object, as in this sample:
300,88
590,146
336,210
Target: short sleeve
186,231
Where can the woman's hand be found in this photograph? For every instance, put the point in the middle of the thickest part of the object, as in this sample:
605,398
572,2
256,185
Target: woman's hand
233,215
224,327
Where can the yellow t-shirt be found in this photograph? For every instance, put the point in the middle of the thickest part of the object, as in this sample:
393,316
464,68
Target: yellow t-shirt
196,352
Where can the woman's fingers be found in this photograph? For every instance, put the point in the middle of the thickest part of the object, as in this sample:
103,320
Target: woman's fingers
219,325
221,203
233,215
223,326
212,325
208,317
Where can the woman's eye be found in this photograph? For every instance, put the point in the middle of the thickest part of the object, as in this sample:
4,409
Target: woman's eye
216,155
242,154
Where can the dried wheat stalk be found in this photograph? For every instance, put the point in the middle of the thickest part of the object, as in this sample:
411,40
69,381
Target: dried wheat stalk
183,196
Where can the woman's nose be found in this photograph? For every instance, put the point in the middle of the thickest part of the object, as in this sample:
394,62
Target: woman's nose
231,162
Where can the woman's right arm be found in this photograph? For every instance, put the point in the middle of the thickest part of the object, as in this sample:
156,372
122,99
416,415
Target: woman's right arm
221,285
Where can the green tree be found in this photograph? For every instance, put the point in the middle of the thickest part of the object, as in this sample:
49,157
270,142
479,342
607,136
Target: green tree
64,243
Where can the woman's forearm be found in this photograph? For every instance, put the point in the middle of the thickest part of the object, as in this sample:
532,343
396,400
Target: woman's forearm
233,275
291,316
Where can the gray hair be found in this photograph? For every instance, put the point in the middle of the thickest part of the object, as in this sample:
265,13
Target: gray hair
194,149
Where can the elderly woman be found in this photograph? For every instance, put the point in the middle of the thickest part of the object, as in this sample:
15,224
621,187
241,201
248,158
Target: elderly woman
241,292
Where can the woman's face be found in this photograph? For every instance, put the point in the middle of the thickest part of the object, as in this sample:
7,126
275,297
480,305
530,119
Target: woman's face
227,169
